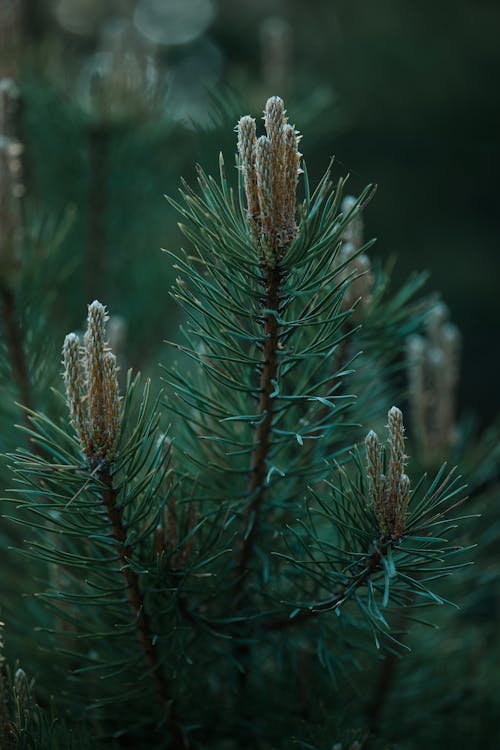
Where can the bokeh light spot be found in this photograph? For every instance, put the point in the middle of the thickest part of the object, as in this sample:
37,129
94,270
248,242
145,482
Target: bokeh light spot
173,21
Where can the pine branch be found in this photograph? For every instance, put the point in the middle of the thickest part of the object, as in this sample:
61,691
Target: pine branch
143,623
272,282
372,565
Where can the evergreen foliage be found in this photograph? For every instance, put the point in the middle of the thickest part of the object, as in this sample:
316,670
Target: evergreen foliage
223,564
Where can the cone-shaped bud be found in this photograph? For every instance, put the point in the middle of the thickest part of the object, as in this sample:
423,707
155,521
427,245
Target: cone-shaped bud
389,493
74,380
247,140
264,183
111,404
270,166
291,172
397,457
94,365
92,389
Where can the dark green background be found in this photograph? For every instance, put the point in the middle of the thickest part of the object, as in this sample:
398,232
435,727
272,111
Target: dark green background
405,95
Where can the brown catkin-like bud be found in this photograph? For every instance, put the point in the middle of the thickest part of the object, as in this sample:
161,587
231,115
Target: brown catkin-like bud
270,167
292,170
389,494
374,465
404,493
247,140
397,512
264,184
94,365
74,382
397,458
111,404
92,389
274,121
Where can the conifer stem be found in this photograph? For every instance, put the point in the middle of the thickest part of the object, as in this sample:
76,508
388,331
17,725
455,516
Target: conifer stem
140,614
372,564
265,411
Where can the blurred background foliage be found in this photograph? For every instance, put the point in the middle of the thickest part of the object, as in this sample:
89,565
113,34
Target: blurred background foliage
123,96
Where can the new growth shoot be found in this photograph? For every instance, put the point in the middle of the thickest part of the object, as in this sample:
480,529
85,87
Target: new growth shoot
90,376
271,166
389,490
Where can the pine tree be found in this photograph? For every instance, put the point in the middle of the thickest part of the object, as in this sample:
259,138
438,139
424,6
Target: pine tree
221,565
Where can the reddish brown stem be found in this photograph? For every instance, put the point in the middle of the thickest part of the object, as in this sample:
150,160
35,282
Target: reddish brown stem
372,564
265,410
140,614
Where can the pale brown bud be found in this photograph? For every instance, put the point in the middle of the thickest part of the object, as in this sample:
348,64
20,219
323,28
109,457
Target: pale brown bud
264,183
74,381
274,120
247,140
397,458
92,389
94,365
291,171
389,493
111,404
270,166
